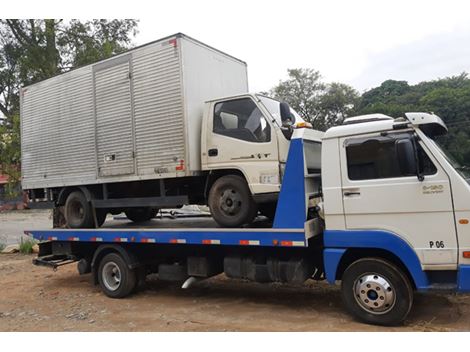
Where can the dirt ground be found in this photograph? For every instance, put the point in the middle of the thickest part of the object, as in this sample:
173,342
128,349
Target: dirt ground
38,299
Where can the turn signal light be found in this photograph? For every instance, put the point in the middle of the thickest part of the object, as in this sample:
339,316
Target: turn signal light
303,125
466,254
463,221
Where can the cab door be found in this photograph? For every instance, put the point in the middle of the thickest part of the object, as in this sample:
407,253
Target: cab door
377,195
240,137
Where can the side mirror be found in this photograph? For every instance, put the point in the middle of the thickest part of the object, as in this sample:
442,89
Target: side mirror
286,116
407,157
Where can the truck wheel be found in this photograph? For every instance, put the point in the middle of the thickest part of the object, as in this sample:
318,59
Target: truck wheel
101,216
115,277
376,292
230,202
78,211
140,214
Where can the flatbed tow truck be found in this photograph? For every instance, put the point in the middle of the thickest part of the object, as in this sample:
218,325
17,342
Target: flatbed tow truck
386,212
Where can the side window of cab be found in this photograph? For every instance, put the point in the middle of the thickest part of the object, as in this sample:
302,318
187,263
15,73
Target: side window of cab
241,119
376,158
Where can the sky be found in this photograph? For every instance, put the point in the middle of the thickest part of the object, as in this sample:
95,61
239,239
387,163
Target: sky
361,43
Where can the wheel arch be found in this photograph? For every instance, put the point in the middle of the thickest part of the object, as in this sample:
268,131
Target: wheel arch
353,254
214,175
344,247
65,192
129,257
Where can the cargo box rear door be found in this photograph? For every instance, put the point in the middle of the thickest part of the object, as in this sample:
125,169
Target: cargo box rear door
114,117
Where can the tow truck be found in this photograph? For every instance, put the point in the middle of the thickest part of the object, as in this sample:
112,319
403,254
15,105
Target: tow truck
375,205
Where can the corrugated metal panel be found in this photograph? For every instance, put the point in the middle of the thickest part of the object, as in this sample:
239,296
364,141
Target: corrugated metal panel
58,117
114,126
58,130
158,109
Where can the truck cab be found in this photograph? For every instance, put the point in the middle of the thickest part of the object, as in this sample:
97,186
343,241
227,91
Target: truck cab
391,192
246,138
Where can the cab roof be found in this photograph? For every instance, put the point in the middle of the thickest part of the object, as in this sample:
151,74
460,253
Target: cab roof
429,123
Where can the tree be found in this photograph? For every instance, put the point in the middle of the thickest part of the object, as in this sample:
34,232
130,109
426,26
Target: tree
447,97
33,50
10,155
321,104
337,102
302,91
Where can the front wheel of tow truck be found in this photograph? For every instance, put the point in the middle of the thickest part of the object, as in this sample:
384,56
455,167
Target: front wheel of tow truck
115,277
376,292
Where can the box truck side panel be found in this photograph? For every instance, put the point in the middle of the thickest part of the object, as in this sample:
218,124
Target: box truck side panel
208,74
158,110
58,131
114,120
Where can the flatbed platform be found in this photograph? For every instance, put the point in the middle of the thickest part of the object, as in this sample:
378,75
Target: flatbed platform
195,230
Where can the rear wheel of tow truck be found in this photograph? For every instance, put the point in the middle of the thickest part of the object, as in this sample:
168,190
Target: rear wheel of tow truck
115,277
141,214
376,292
231,203
78,211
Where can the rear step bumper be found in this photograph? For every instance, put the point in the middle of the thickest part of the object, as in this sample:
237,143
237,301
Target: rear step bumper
54,261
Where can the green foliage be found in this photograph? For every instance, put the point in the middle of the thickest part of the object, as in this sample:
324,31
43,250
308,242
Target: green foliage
10,156
2,246
447,97
321,104
26,246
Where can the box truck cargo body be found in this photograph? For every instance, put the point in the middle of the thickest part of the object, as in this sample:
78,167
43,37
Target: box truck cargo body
163,125
132,117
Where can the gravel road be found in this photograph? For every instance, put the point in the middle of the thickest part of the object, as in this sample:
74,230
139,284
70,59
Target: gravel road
38,299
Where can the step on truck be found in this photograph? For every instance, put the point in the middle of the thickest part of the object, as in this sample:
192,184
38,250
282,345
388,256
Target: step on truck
375,204
163,125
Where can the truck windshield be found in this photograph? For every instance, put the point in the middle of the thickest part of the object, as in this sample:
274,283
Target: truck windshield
272,106
463,170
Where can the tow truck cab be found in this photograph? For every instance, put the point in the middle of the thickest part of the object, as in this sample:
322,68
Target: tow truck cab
390,192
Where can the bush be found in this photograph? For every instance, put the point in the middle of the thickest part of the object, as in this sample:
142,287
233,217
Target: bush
26,246
2,246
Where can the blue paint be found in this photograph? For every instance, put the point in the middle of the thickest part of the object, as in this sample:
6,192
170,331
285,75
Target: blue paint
291,211
463,278
265,238
382,240
331,259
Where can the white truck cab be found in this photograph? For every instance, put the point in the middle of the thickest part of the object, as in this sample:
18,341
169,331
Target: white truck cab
248,136
390,191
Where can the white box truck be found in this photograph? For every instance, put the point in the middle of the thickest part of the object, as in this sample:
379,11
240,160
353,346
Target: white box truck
148,129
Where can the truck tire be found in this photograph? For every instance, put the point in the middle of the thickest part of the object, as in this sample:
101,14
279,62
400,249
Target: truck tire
230,202
78,211
101,216
115,277
140,214
376,292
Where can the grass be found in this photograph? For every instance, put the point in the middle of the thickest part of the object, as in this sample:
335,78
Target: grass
26,246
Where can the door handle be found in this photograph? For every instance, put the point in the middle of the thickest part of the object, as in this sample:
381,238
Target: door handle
348,194
213,152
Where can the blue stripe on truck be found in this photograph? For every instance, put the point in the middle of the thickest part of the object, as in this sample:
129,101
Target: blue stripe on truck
388,241
463,278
